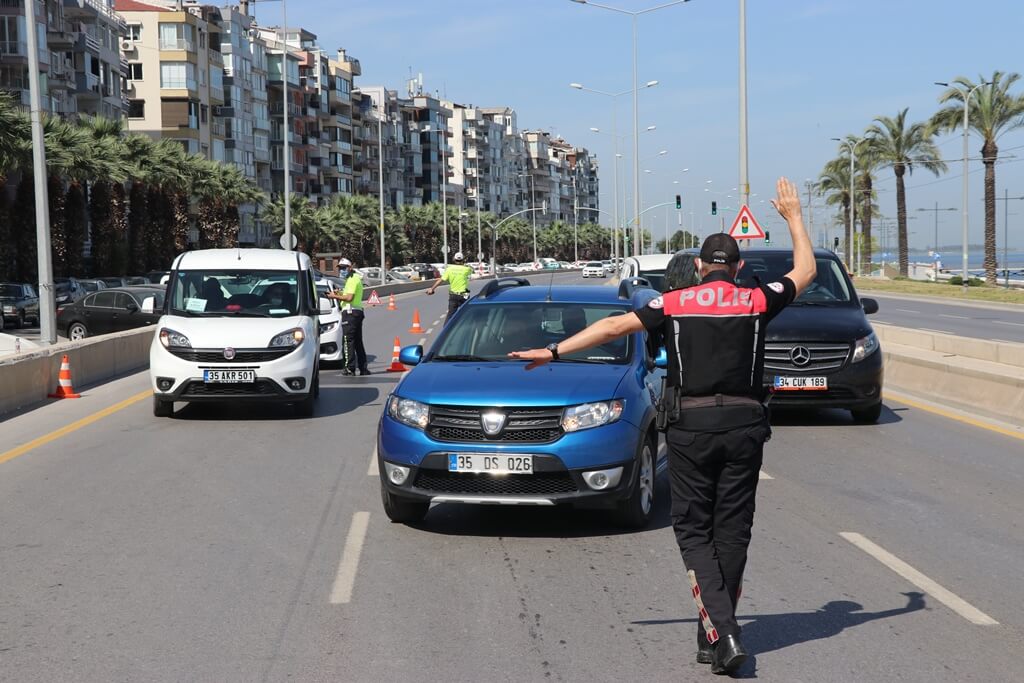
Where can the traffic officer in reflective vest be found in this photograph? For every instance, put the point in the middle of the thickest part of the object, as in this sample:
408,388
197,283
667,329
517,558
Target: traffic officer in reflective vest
714,333
351,298
457,276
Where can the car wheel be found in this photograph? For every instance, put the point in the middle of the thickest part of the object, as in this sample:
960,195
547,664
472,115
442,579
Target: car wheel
636,511
162,408
77,331
21,320
868,415
402,511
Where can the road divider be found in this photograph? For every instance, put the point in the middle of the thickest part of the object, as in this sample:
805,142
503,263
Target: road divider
974,375
27,379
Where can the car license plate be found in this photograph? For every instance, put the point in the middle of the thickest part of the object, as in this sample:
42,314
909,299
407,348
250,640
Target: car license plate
228,376
490,463
801,384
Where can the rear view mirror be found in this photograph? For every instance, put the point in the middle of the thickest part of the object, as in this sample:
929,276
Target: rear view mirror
661,360
325,306
132,307
148,305
870,306
411,355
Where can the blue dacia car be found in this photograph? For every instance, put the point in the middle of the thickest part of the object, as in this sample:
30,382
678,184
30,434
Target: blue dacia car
467,425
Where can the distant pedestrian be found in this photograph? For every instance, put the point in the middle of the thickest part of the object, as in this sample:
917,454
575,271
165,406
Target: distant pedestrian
716,443
353,353
457,276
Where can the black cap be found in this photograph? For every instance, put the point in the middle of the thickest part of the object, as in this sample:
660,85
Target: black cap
720,248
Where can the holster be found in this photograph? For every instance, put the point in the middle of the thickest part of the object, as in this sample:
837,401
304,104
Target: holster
667,407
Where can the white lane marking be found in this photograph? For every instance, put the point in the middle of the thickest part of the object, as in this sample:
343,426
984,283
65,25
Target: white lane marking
946,597
928,329
1007,322
423,340
341,592
430,330
437,322
906,310
764,475
958,317
374,469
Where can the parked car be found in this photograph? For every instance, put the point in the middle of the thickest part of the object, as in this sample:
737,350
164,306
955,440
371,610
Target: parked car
468,425
609,267
67,290
108,310
158,277
331,350
93,285
651,267
820,351
407,271
259,341
425,271
398,276
594,269
18,303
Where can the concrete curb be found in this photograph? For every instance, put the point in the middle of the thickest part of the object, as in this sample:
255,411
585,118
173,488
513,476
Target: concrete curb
950,345
26,379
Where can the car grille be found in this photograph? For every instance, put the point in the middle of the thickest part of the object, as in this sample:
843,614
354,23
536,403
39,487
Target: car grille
833,394
537,484
262,387
241,355
825,357
456,424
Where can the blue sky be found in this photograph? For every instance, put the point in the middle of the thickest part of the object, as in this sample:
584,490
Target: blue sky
817,69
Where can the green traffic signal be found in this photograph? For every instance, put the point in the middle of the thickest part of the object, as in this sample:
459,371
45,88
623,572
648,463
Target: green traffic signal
714,208
679,202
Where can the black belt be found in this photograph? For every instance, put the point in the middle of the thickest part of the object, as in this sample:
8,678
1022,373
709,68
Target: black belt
719,413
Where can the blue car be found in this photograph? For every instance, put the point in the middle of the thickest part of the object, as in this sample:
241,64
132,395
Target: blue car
467,425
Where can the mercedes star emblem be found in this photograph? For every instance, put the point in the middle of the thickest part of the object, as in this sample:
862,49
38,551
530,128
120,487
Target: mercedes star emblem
800,355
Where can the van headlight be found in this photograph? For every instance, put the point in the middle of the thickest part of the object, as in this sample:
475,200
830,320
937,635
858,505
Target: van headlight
588,415
171,338
288,340
410,412
864,347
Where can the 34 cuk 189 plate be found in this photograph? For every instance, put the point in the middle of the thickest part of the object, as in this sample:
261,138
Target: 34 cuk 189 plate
801,384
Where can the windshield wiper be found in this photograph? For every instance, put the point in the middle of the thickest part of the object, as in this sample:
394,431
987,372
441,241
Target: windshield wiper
593,361
815,303
464,357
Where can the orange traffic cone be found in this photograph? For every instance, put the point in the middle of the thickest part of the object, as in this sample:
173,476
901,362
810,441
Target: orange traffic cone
416,328
391,303
396,365
64,388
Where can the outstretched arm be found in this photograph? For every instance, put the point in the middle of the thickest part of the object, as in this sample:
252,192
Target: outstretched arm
788,205
437,283
604,330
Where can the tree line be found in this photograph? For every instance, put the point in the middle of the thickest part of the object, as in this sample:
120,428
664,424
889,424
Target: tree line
899,145
133,198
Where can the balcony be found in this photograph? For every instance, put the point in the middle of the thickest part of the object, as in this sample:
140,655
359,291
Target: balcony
89,9
262,155
87,84
12,48
277,109
345,169
61,79
278,165
60,40
265,184
177,44
217,127
278,137
187,84
344,146
343,120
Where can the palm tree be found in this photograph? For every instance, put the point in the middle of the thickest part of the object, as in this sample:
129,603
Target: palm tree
305,222
106,206
892,141
834,184
993,112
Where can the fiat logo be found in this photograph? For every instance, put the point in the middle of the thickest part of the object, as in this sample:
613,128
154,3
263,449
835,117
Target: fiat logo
229,353
800,355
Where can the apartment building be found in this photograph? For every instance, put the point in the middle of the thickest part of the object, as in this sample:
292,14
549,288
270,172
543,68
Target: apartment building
337,173
562,175
433,125
175,74
79,58
381,112
506,196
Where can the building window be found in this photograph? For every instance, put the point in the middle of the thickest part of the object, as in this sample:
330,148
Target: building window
134,32
135,71
203,113
136,109
177,75
176,37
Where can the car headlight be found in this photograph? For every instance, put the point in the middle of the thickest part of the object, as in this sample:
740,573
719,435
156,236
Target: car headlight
288,339
8,309
169,338
327,327
410,412
864,347
590,415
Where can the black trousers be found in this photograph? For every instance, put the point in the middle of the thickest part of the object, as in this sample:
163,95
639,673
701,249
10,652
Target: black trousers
353,352
454,301
714,481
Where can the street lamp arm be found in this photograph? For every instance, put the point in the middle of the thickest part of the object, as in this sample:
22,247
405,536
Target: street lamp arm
649,208
667,4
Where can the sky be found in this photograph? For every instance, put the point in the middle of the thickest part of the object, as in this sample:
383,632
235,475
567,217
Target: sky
816,69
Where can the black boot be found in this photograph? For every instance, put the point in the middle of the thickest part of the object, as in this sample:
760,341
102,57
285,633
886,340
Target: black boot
705,650
348,373
729,655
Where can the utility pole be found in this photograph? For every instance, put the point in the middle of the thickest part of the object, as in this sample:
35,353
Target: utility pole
1006,199
47,300
744,187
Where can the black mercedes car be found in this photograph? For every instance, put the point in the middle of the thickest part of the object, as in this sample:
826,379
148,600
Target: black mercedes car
18,303
821,351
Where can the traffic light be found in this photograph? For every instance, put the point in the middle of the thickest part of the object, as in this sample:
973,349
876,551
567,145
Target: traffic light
767,237
679,202
714,208
835,245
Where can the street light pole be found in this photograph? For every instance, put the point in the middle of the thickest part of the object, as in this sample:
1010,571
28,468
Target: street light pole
744,172
44,258
286,152
852,146
380,185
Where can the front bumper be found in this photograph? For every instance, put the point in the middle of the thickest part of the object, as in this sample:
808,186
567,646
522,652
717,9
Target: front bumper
855,386
558,467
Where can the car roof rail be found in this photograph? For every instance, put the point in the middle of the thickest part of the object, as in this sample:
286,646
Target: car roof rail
494,286
631,284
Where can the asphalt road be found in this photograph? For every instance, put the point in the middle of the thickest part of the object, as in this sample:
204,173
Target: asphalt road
1003,322
237,545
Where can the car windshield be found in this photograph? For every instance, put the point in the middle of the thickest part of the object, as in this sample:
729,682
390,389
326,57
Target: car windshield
89,286
10,290
235,293
655,277
829,287
594,264
490,332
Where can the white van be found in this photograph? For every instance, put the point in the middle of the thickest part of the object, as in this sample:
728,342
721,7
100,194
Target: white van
238,325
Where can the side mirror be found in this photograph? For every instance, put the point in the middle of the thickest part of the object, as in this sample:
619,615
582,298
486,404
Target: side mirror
411,355
661,360
132,307
324,305
148,305
870,306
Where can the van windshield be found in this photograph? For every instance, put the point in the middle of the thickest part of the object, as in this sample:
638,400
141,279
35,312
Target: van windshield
247,293
830,286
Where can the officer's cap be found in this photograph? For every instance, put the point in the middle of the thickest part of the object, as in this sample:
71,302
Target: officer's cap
720,248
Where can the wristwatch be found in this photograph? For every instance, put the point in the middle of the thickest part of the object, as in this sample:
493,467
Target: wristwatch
553,348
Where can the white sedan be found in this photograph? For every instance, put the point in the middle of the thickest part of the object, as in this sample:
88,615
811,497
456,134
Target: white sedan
594,269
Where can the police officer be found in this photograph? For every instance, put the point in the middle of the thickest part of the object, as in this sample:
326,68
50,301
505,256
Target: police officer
353,352
716,335
457,276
